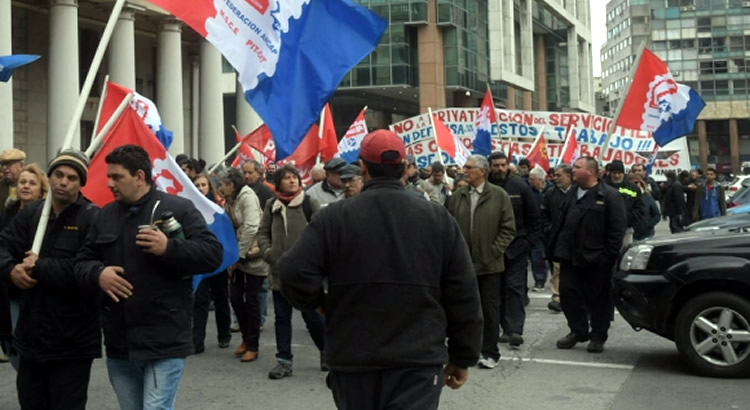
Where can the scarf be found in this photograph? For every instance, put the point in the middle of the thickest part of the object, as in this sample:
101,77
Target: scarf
286,198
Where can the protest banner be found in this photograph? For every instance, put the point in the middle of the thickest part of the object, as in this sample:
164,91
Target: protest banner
521,128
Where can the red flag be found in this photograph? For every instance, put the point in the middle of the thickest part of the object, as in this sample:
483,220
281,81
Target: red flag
257,139
538,154
449,143
129,129
329,144
572,152
303,158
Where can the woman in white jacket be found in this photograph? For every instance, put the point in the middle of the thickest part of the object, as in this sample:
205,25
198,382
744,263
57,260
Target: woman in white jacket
248,273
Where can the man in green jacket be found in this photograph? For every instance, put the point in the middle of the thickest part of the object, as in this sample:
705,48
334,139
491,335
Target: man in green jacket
485,215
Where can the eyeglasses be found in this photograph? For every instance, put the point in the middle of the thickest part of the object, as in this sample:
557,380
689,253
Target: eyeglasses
469,167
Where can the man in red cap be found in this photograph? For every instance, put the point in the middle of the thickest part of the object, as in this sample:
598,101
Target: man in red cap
405,284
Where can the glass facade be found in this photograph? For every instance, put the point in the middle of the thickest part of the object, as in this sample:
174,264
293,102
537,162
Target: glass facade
556,58
466,45
394,61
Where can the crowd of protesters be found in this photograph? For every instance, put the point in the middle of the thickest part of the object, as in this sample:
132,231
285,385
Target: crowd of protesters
490,223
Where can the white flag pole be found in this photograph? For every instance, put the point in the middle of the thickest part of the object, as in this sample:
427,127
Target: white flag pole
320,133
228,154
102,96
434,131
74,122
612,127
97,141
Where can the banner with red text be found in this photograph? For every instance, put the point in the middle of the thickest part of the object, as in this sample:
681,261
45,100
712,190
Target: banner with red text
520,129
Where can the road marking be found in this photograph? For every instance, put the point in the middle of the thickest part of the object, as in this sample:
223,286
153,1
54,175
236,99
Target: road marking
570,363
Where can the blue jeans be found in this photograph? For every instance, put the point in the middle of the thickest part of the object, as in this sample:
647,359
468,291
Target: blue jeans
147,385
283,325
263,299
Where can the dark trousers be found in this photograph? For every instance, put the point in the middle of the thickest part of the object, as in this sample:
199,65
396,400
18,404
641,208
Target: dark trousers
283,326
584,294
6,325
513,292
410,388
674,224
218,287
538,264
489,295
60,384
244,297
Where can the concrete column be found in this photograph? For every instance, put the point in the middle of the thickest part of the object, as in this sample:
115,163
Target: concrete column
6,89
63,74
573,68
431,62
540,74
169,82
247,118
584,64
734,145
211,131
702,144
121,51
527,40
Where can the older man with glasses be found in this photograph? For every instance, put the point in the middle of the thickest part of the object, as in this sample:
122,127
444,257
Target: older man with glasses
485,215
11,162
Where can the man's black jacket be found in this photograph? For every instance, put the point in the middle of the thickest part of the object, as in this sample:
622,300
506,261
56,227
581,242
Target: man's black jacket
598,230
59,318
526,212
156,321
400,279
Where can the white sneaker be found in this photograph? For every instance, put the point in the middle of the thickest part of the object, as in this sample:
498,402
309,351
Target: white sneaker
487,363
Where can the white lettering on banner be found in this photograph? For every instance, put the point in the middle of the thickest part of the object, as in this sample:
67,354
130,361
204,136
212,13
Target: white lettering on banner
523,127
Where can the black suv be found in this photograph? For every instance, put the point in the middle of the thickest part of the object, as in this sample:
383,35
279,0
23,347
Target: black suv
692,288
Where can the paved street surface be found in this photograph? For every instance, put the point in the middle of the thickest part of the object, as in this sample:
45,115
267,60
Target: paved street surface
638,370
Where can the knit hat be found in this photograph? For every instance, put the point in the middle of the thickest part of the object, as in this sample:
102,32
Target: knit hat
617,166
74,159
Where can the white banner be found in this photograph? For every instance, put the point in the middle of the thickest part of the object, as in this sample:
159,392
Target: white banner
522,128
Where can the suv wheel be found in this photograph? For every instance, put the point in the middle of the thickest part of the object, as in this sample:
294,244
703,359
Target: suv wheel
712,333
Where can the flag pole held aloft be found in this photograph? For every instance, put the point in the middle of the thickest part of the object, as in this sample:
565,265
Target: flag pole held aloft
73,125
229,154
613,127
102,96
97,141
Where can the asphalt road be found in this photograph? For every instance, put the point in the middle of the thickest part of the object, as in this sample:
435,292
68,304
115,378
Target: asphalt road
638,370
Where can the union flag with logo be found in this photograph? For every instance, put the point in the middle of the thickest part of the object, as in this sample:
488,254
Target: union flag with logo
657,104
131,128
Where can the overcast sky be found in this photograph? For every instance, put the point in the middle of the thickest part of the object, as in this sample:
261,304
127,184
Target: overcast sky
598,31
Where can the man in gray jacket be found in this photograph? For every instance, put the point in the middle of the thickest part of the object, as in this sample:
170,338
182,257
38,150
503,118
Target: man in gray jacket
485,215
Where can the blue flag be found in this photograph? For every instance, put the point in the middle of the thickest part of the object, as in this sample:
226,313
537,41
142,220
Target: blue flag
10,63
290,55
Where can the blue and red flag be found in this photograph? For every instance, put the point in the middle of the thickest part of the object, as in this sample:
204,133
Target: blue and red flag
352,141
657,104
483,127
290,54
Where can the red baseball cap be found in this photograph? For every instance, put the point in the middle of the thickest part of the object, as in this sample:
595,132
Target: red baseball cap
382,147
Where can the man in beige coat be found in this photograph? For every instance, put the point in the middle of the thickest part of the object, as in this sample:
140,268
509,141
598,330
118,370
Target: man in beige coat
485,215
